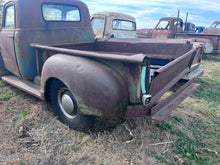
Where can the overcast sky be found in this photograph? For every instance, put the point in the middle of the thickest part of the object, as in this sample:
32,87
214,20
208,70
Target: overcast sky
148,12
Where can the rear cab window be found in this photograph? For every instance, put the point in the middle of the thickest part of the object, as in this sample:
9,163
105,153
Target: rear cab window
58,12
118,24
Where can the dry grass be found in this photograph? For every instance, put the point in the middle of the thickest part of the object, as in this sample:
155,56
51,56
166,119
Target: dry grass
30,134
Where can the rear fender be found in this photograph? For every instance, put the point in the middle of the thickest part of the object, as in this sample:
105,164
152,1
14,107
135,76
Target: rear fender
98,88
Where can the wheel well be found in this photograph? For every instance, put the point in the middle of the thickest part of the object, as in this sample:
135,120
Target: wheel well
47,89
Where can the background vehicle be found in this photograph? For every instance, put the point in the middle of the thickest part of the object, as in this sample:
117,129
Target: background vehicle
199,29
114,25
172,27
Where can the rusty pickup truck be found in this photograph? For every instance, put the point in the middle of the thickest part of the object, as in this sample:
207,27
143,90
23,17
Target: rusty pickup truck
113,25
49,50
173,27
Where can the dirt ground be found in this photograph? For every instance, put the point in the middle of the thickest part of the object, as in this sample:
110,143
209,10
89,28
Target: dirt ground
37,137
31,134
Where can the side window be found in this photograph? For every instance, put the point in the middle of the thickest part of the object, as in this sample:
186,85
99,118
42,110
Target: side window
178,24
163,25
98,26
9,17
217,25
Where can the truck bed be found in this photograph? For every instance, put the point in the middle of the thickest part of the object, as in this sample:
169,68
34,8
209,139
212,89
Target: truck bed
180,56
124,50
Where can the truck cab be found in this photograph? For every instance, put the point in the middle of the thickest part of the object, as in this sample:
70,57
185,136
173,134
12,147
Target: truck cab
114,25
17,34
166,28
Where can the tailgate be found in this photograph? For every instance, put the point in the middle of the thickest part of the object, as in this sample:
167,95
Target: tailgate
166,77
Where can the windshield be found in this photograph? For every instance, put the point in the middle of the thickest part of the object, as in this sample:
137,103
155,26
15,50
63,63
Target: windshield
163,25
98,26
123,25
216,25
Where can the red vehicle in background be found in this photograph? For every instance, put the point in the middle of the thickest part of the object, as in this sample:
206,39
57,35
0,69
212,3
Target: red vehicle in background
174,27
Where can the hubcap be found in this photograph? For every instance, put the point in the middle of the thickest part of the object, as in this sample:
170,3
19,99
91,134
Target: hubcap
66,103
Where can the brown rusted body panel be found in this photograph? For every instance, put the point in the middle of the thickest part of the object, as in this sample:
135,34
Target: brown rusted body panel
99,90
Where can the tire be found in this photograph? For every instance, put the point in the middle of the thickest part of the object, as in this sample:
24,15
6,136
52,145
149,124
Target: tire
65,107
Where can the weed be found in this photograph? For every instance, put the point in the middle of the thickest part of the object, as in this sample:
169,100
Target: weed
22,114
67,149
59,141
164,125
212,58
190,148
186,146
177,119
6,94
163,159
80,136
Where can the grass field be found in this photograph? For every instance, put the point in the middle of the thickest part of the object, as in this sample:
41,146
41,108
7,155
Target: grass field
31,134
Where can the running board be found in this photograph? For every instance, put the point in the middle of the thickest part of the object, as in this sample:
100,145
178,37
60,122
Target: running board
24,85
164,108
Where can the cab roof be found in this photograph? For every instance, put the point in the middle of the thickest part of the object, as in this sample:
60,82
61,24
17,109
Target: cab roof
115,14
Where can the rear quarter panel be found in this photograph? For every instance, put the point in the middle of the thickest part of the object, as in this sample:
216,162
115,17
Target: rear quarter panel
99,89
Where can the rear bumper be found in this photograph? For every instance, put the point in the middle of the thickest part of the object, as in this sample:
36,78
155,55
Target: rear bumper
162,109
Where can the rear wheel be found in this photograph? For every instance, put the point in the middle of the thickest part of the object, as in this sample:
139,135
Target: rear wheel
65,107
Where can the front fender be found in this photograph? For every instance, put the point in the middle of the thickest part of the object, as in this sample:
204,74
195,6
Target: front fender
98,88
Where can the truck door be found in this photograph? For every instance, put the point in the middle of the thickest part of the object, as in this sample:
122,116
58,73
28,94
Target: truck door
7,38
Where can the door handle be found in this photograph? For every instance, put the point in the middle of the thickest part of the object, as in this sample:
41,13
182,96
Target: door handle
11,36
